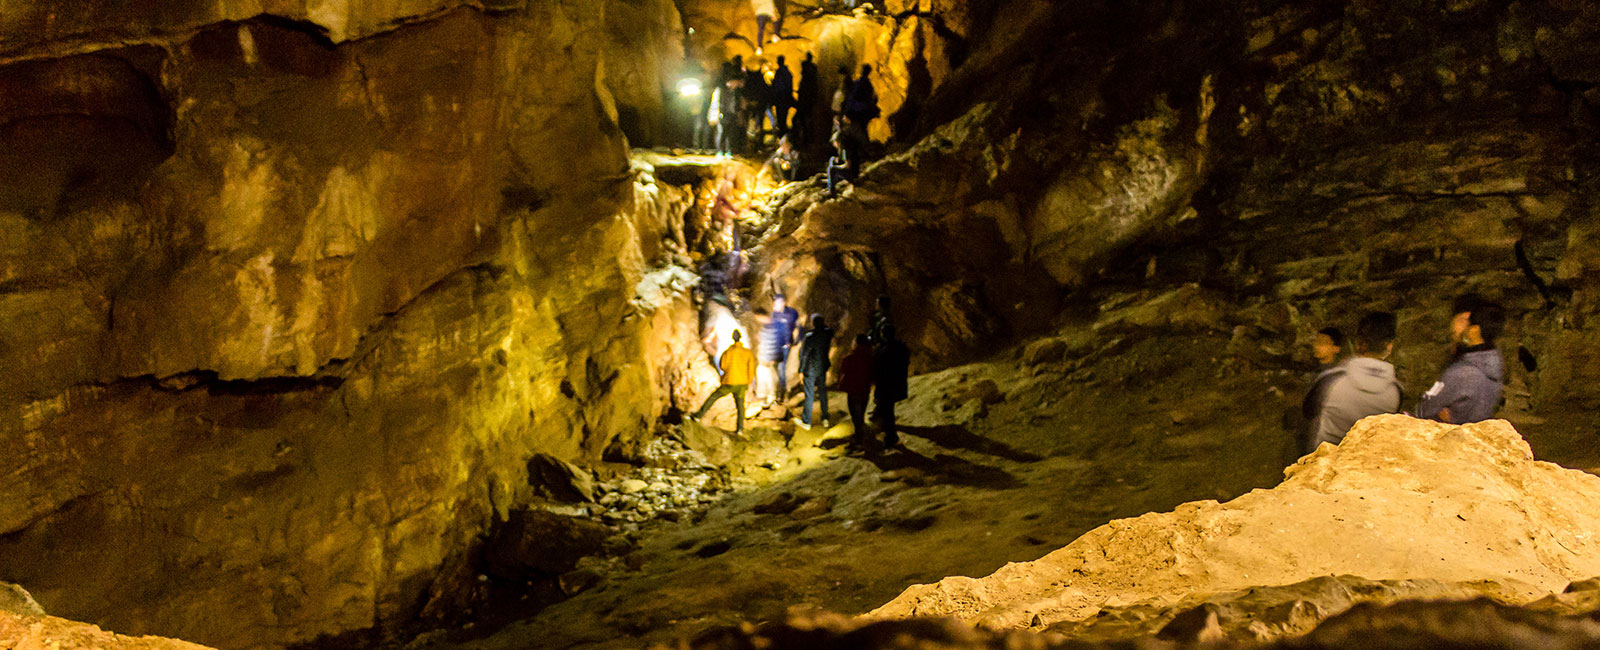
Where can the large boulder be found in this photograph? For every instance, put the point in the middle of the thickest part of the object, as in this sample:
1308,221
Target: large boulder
1400,499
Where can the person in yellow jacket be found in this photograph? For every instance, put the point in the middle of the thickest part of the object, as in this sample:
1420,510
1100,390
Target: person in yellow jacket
738,368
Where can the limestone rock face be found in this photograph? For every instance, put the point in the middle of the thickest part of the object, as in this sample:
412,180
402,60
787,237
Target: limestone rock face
1399,499
290,350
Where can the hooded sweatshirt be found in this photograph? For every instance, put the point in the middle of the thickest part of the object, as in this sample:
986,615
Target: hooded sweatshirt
1470,387
1365,386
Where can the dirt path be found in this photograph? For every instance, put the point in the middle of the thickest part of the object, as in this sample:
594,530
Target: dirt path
999,466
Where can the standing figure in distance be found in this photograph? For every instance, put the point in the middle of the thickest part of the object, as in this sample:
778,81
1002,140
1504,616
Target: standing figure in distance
738,367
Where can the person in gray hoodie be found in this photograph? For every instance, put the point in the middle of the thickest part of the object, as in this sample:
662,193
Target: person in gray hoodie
1364,385
1469,390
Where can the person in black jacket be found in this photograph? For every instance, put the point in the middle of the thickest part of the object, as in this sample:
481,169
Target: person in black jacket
814,364
805,104
891,363
782,97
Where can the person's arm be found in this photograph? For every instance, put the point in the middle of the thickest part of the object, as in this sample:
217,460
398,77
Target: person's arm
1452,390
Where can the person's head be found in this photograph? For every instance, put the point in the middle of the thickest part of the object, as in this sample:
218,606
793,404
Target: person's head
862,340
780,60
844,71
737,336
779,301
883,302
1327,344
866,69
1462,308
818,321
1375,334
888,332
808,57
1484,324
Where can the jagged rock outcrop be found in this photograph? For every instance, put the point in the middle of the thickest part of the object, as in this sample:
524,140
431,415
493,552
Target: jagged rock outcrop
1399,499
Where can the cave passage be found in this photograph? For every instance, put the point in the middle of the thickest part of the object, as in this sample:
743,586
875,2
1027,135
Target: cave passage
491,324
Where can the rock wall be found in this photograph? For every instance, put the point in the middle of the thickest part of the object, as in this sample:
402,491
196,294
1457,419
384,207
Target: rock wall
291,300
1303,161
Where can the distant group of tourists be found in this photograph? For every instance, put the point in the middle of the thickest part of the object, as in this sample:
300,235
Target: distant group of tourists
745,108
1346,390
875,370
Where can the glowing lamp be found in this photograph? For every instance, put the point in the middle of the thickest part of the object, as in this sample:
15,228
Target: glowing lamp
689,87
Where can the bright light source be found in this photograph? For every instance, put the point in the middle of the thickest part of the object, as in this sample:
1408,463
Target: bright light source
689,87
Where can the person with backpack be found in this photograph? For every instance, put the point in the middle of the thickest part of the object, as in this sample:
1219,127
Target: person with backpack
815,347
738,367
855,379
1469,389
891,365
1364,386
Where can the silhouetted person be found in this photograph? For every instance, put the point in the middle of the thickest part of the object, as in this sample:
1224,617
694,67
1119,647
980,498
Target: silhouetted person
738,367
777,337
1469,389
842,93
805,105
758,100
891,364
855,379
861,106
729,112
785,162
733,69
1364,385
782,96
881,321
844,165
1328,348
814,362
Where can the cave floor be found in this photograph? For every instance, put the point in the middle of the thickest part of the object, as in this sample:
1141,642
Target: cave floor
1000,464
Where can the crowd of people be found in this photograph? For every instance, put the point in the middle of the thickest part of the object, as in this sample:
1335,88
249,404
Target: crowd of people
874,372
746,108
1348,389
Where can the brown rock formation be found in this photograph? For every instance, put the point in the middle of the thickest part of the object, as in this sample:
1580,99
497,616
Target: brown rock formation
1399,499
291,301
51,633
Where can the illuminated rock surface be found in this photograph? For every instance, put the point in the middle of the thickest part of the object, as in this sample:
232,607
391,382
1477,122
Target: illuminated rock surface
315,312
1399,499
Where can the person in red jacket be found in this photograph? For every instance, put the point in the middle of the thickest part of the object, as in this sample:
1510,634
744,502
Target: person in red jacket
855,379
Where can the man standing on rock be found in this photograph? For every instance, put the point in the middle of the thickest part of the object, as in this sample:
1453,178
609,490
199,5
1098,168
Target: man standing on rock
1364,385
738,367
814,362
855,379
1469,390
782,96
891,363
806,100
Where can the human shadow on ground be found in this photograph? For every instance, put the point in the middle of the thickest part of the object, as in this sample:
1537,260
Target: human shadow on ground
955,436
914,468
